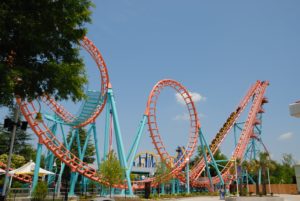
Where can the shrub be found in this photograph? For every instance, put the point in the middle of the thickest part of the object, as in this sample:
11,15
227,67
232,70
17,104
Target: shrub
40,192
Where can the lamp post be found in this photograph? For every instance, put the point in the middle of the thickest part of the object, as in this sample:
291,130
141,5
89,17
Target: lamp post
187,176
55,168
16,116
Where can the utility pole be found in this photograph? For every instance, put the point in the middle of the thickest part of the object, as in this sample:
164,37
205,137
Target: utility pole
13,136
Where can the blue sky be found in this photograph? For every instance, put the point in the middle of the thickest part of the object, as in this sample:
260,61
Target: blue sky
217,49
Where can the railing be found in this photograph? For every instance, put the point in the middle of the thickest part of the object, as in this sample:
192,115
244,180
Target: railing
25,193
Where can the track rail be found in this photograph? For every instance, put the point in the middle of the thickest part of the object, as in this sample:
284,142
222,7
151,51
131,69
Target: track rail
45,135
104,79
224,131
47,138
20,177
53,144
175,168
153,126
244,139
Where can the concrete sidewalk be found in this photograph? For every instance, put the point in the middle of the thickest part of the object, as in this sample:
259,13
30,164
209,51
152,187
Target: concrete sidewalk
217,198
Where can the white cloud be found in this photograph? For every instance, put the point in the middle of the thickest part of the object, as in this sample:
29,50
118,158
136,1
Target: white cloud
286,136
196,97
185,117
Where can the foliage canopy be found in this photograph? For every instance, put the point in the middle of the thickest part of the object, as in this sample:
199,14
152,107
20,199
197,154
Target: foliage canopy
39,52
162,170
111,170
16,161
40,191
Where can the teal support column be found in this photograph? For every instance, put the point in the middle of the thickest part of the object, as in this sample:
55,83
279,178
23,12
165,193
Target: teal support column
187,171
154,191
85,184
205,159
107,127
67,145
254,149
119,140
74,175
173,186
134,143
50,161
37,166
57,187
78,142
134,147
162,187
96,145
213,162
177,183
119,151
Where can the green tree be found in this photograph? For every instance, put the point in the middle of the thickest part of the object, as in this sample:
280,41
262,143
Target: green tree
161,173
16,161
246,167
288,160
254,170
111,170
285,170
264,163
39,48
40,192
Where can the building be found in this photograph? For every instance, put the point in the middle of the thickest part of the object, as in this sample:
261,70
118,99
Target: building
295,109
297,174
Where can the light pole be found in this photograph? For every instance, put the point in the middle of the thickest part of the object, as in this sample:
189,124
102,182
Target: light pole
187,176
13,135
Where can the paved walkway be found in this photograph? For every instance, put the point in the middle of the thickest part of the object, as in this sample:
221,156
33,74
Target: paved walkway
290,197
216,198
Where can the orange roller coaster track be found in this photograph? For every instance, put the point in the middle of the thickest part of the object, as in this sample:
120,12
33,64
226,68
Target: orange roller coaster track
153,127
47,138
104,78
257,91
20,177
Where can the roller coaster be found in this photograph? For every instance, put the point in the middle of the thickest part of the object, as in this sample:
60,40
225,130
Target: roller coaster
95,104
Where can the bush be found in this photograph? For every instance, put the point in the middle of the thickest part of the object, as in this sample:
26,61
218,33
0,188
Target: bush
40,192
244,191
